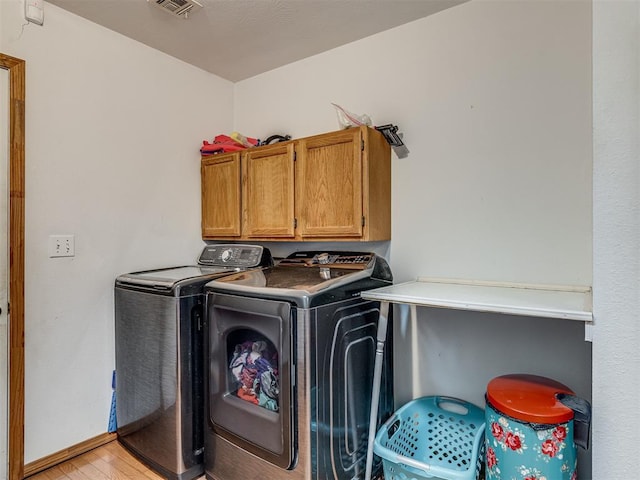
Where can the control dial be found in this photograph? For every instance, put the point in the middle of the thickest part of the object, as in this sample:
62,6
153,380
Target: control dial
226,255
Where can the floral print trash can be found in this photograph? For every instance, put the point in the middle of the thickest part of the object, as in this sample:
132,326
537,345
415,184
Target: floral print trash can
531,424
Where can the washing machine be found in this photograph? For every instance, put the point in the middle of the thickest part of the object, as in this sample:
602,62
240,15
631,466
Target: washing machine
289,372
159,357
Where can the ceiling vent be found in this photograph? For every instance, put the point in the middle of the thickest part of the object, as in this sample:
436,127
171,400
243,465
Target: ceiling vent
178,8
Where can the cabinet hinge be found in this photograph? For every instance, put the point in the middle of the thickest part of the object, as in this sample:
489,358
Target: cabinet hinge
362,144
363,222
295,223
295,156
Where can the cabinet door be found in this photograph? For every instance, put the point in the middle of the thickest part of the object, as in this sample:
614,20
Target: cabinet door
329,185
220,176
268,192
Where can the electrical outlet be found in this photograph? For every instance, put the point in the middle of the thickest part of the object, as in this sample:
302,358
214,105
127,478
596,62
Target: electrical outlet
62,246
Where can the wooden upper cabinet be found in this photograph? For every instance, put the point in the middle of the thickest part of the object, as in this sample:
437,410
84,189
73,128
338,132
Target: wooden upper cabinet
268,192
335,186
376,185
329,185
220,177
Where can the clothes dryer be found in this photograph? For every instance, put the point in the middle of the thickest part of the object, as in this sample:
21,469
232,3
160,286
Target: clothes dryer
290,360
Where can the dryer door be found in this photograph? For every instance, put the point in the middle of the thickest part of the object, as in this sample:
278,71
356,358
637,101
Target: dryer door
251,375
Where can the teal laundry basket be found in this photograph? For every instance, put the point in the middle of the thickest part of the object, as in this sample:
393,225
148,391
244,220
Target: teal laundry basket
432,437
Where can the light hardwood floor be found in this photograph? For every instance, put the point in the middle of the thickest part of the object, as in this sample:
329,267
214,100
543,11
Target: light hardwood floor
109,462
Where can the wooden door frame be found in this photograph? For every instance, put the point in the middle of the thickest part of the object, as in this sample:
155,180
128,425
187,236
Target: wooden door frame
15,447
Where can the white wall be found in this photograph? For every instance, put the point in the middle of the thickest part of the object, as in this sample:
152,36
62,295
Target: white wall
616,263
494,99
113,130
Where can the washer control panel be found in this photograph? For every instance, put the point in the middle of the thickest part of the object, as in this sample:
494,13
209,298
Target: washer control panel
234,256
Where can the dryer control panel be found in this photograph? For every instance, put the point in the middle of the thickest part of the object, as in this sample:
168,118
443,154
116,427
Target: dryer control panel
352,260
244,256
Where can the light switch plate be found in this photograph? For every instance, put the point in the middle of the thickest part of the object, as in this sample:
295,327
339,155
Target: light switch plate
34,11
62,246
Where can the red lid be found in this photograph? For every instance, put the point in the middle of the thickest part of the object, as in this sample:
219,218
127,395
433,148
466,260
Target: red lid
529,398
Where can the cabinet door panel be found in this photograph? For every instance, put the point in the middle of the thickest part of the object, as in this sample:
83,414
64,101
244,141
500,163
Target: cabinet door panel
221,196
268,193
329,185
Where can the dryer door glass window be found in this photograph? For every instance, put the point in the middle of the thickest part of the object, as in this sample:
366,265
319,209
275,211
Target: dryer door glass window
253,373
251,369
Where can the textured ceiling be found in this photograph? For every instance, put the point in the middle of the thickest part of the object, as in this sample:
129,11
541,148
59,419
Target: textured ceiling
238,39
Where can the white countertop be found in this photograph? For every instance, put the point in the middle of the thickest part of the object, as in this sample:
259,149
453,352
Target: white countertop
550,301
